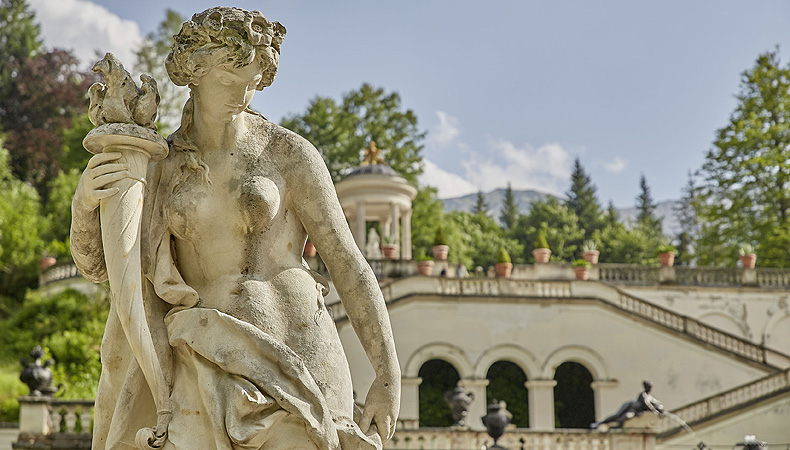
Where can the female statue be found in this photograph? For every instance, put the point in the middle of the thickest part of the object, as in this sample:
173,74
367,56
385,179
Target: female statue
250,353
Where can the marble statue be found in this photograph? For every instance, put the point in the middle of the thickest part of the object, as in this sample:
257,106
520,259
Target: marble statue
218,336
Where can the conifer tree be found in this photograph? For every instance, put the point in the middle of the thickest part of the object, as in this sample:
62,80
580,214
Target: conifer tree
647,209
509,214
480,204
582,201
687,217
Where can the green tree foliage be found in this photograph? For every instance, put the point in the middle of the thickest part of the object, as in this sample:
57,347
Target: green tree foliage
506,383
509,213
70,325
480,204
438,376
74,155
687,217
647,208
20,38
341,131
744,192
561,228
574,400
582,200
151,60
58,208
475,239
21,242
427,211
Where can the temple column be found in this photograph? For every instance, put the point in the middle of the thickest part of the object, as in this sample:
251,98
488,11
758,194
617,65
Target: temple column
541,404
478,407
361,236
395,230
405,240
605,404
410,403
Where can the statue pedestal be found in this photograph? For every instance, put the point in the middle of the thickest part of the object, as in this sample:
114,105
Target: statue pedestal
34,415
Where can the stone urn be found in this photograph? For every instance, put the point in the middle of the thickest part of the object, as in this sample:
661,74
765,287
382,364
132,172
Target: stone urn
496,420
390,251
503,269
749,260
309,249
582,273
459,400
541,255
591,256
440,252
36,375
667,259
425,267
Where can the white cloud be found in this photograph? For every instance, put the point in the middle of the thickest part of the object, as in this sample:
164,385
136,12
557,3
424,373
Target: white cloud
446,131
448,184
86,28
546,168
616,165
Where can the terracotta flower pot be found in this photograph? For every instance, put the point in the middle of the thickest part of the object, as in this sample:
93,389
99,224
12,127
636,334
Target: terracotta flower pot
503,269
425,267
582,273
390,251
748,260
46,262
667,259
440,252
309,249
541,255
591,256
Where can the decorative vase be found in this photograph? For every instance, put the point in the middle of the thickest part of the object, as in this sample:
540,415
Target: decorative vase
591,256
667,259
541,255
440,252
748,260
582,273
390,251
425,267
309,249
503,269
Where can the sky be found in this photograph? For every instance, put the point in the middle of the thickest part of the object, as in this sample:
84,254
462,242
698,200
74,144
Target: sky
508,91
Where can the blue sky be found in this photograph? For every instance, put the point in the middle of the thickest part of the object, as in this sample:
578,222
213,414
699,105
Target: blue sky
509,91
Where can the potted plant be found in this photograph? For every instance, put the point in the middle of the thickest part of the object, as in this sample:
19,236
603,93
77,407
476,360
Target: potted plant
590,251
581,267
666,255
542,253
747,257
503,265
424,263
440,248
389,248
309,248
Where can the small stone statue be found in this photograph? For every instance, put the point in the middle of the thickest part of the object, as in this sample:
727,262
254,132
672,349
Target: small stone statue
629,410
120,100
36,375
496,420
459,400
373,248
751,443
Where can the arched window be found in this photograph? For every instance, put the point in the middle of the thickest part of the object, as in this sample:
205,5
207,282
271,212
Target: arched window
574,401
438,376
506,382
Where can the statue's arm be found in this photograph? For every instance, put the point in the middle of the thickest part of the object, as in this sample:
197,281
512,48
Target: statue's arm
95,184
312,195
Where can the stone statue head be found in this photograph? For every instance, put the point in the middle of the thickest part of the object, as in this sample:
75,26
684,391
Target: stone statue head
225,35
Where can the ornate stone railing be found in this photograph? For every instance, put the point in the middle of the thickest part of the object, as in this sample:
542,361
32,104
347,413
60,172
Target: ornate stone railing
46,423
519,439
71,416
710,407
502,287
57,273
628,274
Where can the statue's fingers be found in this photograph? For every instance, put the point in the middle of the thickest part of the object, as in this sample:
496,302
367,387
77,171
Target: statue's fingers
104,193
102,158
367,418
108,168
103,180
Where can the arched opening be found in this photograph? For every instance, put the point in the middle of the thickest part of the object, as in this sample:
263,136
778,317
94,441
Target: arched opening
506,382
574,401
438,376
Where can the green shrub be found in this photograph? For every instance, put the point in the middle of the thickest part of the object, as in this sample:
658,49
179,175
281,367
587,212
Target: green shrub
440,238
504,256
666,248
581,263
541,241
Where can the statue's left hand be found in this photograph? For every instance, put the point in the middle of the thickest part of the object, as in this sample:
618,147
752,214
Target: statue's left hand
381,407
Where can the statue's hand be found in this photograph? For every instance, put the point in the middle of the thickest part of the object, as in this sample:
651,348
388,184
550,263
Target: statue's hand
381,407
95,182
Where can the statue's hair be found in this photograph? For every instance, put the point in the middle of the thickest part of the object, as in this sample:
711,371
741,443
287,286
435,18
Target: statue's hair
220,35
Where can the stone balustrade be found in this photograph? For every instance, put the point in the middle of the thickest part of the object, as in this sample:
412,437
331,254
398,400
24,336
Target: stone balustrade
520,439
725,401
71,416
57,273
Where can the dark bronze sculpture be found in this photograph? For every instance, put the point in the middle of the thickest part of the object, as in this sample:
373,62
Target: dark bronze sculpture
36,375
645,402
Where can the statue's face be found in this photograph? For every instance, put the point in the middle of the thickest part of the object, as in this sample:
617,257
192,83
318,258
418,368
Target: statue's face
225,91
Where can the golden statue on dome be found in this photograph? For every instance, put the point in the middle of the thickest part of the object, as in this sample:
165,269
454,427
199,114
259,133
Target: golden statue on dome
373,156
